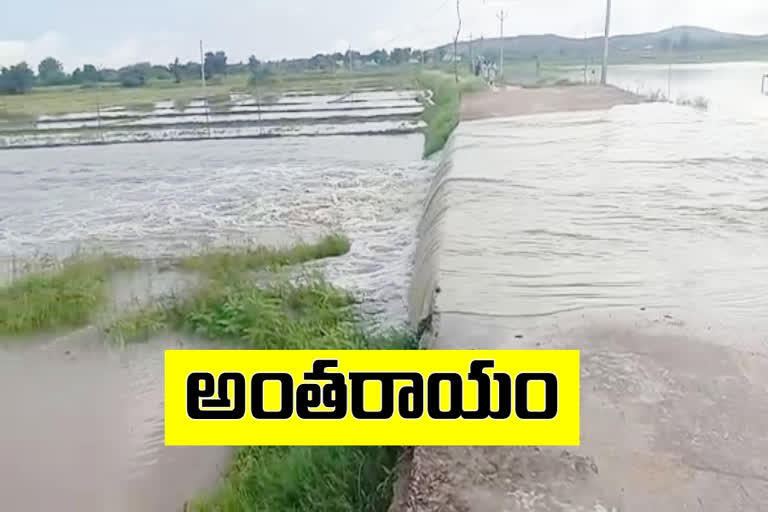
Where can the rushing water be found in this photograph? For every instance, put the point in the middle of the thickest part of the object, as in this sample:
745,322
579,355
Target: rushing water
651,206
86,430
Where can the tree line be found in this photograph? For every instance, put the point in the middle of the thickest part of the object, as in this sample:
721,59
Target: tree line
20,78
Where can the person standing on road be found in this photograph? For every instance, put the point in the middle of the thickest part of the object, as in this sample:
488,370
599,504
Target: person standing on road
492,74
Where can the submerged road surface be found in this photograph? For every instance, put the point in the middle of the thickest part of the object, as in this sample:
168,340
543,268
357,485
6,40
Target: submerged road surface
636,234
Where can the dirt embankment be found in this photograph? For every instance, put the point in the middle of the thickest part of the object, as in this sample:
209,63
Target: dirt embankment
519,101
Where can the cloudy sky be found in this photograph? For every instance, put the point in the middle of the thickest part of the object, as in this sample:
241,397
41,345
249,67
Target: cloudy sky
113,34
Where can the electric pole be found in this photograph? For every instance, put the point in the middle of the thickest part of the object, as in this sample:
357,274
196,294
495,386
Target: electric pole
456,42
202,65
501,16
586,57
471,54
205,93
604,76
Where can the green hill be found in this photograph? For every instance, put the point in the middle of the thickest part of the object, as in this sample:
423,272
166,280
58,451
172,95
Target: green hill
681,43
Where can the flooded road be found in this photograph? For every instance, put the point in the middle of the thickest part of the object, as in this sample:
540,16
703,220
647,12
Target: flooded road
639,237
654,206
86,428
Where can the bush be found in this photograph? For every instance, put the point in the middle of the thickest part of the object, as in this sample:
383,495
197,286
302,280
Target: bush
443,116
131,78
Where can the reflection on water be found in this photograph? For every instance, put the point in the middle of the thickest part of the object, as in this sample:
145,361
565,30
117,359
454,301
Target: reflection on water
86,430
649,206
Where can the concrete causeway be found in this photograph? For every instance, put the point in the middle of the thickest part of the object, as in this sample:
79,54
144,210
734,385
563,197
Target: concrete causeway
674,409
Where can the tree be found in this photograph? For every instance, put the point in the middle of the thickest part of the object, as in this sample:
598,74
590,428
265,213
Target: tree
254,65
380,57
90,74
175,68
259,72
131,77
192,70
400,55
17,79
158,72
51,72
135,75
215,64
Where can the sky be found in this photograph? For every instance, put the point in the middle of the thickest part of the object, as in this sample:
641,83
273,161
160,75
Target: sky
113,34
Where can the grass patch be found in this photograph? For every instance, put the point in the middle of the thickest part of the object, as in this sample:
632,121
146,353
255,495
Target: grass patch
65,296
306,479
285,314
311,479
443,116
63,100
221,263
305,314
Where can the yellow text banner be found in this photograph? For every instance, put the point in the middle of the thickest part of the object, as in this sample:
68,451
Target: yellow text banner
364,398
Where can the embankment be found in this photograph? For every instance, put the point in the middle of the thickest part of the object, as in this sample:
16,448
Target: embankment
570,231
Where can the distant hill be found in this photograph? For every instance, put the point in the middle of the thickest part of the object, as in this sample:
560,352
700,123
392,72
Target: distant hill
676,40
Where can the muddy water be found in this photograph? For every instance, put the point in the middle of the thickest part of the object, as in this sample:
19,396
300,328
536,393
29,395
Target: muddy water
86,430
638,237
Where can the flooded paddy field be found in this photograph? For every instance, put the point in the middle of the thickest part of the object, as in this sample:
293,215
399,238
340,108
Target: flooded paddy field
243,116
94,437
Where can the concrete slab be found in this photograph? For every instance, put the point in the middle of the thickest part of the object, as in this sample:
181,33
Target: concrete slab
669,422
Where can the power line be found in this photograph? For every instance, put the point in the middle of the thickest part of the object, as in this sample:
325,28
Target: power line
420,28
604,75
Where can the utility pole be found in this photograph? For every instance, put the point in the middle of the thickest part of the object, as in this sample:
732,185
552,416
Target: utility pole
604,76
501,16
205,93
202,65
586,57
456,42
471,54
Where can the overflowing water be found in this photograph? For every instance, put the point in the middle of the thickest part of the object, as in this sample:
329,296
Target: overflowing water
93,436
652,206
639,237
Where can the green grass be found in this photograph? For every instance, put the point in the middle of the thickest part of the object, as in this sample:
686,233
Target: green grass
226,262
66,296
443,117
62,100
286,314
312,479
306,479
